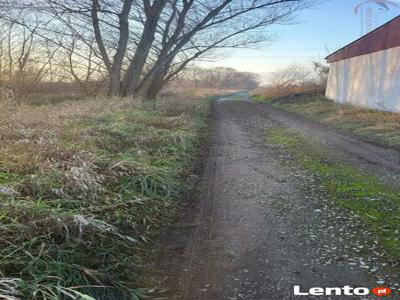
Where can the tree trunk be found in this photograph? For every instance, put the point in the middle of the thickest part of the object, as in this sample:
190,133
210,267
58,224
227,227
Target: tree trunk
135,69
114,89
155,87
114,67
138,62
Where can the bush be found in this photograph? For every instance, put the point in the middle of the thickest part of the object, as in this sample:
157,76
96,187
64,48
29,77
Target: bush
295,80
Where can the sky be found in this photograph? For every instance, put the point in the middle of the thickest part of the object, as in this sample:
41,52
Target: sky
313,34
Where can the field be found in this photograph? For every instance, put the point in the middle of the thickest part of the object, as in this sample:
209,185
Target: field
85,187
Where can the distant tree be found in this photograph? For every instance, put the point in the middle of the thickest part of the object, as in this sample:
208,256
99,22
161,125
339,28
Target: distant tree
322,70
217,78
291,76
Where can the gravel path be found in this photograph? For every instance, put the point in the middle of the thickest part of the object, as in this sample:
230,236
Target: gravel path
373,158
253,231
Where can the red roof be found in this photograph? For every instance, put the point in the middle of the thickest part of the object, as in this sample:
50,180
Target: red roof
384,37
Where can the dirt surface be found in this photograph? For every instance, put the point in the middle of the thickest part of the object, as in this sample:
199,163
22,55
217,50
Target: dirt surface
254,231
374,158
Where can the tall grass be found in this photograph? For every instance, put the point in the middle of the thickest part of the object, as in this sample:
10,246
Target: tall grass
85,187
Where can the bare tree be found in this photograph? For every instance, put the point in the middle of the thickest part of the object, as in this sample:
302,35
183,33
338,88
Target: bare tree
105,22
322,70
114,66
24,62
142,45
88,75
220,24
293,75
152,14
293,80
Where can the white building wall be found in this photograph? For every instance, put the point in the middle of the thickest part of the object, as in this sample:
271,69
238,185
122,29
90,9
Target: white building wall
370,81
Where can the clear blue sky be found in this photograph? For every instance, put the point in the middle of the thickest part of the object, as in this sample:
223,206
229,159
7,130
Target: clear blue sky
314,33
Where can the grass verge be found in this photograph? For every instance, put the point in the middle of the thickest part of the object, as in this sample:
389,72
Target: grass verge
376,126
376,203
85,188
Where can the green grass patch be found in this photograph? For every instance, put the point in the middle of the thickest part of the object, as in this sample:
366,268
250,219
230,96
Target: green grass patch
92,199
377,203
6,178
260,99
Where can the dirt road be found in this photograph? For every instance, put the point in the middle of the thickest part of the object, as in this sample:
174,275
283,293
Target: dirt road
255,231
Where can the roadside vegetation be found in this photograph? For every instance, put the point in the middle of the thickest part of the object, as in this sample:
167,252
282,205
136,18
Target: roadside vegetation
85,187
377,203
301,89
372,125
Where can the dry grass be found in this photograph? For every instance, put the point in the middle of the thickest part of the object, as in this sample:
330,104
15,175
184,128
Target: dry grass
280,91
30,135
84,188
377,126
192,92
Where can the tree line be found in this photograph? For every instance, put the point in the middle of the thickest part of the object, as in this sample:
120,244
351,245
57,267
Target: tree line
134,47
219,78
